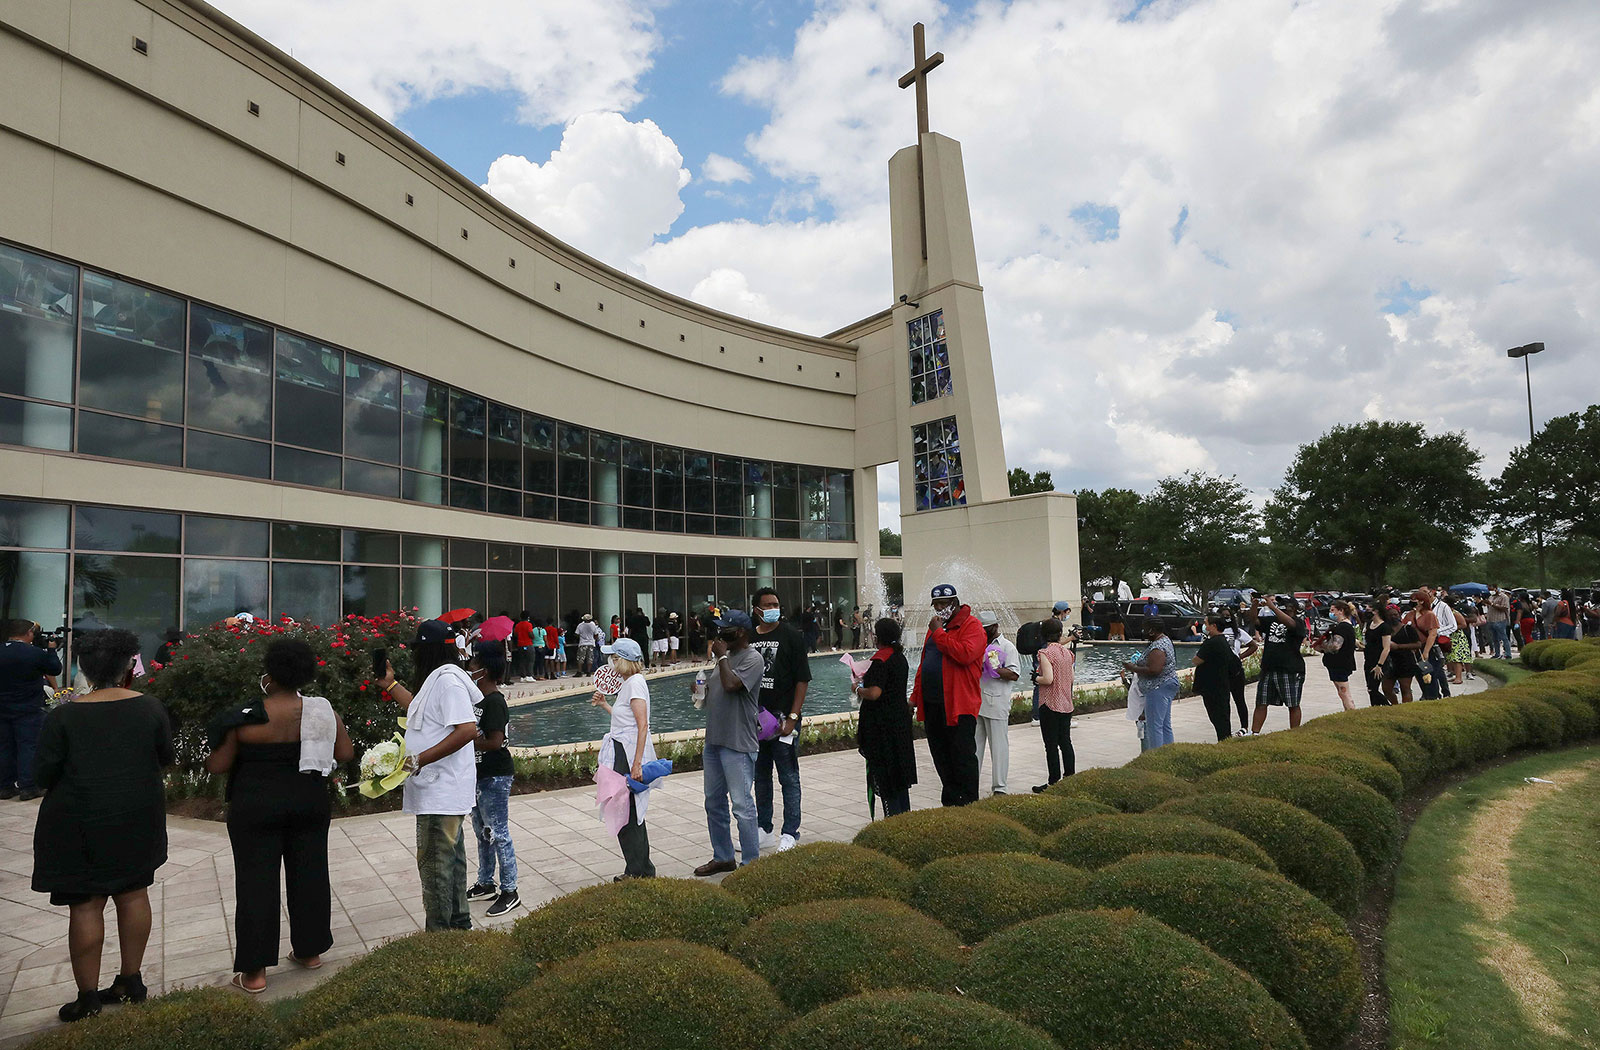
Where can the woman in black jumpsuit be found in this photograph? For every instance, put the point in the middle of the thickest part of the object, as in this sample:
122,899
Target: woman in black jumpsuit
883,733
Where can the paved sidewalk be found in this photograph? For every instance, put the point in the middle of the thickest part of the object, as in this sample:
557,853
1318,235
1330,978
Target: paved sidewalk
561,846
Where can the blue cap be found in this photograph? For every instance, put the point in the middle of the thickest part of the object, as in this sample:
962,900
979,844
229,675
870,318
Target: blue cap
1061,607
944,590
734,618
429,631
626,648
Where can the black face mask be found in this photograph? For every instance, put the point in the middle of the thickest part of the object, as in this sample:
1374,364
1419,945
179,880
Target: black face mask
731,637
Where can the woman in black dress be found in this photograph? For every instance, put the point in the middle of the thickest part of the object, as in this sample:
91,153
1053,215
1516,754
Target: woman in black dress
883,734
278,815
102,829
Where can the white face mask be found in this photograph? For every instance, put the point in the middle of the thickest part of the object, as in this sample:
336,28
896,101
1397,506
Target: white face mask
945,613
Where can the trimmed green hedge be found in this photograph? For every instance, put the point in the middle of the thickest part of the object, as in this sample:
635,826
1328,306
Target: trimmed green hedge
1130,790
1120,980
924,1020
1365,818
1272,929
983,893
191,1019
1042,814
453,975
1314,750
664,995
1391,743
822,951
630,910
818,871
1557,654
1308,851
1098,841
922,835
405,1032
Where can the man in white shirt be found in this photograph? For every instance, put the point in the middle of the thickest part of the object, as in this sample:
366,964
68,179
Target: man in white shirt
443,787
590,639
1002,666
1448,626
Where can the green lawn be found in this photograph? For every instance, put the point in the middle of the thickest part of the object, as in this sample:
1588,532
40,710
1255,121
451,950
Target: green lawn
1443,992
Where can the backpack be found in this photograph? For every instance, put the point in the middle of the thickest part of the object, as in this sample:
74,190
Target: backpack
1030,639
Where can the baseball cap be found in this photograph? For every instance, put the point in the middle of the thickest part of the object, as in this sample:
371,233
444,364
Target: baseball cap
988,619
626,648
1061,607
430,631
734,618
943,590
588,616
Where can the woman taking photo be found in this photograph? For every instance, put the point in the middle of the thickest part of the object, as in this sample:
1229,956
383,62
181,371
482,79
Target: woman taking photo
1158,676
102,828
883,734
277,762
628,744
1053,672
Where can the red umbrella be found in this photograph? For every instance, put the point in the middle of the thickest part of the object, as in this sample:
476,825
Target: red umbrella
496,629
457,615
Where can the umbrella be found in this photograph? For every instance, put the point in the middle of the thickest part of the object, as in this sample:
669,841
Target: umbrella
496,629
457,615
1477,589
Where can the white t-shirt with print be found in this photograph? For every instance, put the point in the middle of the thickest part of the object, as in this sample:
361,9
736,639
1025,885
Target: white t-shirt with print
448,787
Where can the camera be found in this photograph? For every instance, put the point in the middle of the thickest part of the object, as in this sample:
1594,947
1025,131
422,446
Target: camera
50,639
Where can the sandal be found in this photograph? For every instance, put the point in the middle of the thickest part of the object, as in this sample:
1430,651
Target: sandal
314,963
238,982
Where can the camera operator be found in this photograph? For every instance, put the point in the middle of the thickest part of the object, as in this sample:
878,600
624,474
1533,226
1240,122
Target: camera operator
25,670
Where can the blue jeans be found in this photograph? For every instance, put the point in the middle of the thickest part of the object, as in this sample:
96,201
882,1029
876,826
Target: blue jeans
442,865
1158,713
19,735
730,775
787,758
491,820
1566,630
1500,640
1438,688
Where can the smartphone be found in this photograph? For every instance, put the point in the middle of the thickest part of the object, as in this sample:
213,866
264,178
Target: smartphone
380,662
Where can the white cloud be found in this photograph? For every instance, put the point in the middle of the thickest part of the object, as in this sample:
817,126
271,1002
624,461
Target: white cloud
561,59
609,189
720,169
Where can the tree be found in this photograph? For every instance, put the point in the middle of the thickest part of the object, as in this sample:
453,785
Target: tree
1111,535
1555,477
1202,529
1370,495
888,543
1022,483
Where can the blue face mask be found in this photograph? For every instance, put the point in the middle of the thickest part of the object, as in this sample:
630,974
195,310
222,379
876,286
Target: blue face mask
771,615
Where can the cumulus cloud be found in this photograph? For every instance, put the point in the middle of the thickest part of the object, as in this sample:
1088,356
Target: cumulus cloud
610,188
720,169
562,60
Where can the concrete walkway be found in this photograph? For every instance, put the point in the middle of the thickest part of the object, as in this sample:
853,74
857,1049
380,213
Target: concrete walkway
561,846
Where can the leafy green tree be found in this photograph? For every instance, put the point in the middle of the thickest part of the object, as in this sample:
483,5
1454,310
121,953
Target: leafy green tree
889,543
1201,528
1112,536
1022,483
1371,495
1556,478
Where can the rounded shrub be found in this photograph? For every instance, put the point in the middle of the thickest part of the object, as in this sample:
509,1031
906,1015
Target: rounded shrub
192,1019
1120,980
455,975
1185,761
630,910
1042,814
1555,654
1308,852
925,1020
667,995
1304,748
1272,929
825,950
411,1033
1365,818
818,871
922,835
982,893
1541,724
1581,719
1130,790
1532,653
1363,730
1098,841
1582,684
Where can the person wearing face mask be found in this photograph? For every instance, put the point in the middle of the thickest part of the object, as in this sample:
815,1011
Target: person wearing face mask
783,692
732,722
491,817
946,695
628,745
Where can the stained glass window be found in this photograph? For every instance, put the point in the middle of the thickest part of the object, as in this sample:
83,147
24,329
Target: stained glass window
936,458
930,358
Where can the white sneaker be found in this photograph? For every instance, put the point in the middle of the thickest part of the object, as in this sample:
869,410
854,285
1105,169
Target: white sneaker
786,842
769,840
1241,731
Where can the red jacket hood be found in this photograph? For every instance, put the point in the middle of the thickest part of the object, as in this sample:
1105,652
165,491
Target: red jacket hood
962,642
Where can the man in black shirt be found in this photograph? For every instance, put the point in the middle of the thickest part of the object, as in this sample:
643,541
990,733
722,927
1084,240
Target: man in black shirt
1283,668
784,682
23,670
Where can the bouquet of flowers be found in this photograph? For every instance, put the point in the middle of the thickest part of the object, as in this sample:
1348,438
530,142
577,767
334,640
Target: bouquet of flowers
383,767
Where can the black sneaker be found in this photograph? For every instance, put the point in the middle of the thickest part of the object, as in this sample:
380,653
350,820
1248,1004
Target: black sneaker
507,901
127,988
87,1004
8,793
481,892
30,794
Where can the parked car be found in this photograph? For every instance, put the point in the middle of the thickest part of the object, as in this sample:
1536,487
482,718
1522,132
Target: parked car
1174,616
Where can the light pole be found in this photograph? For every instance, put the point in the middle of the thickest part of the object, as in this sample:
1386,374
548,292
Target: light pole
1526,352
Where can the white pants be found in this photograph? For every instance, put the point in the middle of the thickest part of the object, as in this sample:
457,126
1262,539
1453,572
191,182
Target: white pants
993,730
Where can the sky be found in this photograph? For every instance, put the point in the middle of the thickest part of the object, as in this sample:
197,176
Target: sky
1208,230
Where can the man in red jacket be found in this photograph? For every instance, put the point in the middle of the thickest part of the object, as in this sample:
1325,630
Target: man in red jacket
946,695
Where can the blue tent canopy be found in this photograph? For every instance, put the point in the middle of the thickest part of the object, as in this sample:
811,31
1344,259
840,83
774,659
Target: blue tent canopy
1469,588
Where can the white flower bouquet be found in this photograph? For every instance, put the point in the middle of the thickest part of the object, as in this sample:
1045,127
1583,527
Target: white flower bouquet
383,767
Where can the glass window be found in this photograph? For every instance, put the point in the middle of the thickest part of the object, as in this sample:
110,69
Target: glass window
573,466
228,455
505,557
699,524
424,590
466,589
422,488
786,491
305,542
307,593
504,595
370,590
422,550
35,425
116,437
573,512
425,408
230,374
132,349
505,501
668,521
38,309
605,482
669,477
215,589
539,506
310,394
697,485
225,537
466,495
637,518
574,560
24,524
505,446
468,446
729,474
539,453
639,564
299,467
33,586
930,358
573,598
467,554
814,503
539,594
138,594
371,410
372,479
936,462
380,547
758,496
638,474
136,531
539,559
